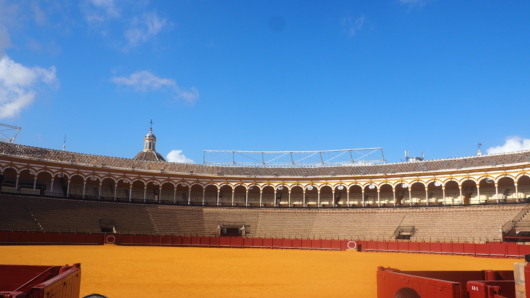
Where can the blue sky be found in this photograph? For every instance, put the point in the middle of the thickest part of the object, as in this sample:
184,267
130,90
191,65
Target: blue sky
434,76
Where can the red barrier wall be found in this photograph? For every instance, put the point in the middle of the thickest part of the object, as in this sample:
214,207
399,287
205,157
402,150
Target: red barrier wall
496,249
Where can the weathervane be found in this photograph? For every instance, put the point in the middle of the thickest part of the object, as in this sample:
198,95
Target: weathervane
151,127
64,144
479,145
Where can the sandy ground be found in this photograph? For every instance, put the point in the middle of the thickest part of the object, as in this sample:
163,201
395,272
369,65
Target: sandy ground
117,271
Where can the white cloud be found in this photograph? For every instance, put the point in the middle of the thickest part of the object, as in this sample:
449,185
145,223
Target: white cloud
353,25
19,85
512,144
100,11
144,28
146,81
177,156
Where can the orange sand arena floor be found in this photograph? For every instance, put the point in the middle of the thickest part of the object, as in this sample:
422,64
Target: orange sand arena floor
119,271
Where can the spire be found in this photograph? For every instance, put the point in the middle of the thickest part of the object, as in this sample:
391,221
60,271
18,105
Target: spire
149,152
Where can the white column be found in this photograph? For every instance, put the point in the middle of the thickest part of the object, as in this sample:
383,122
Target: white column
497,192
378,198
99,191
260,197
218,190
130,192
160,194
246,198
443,194
289,201
51,187
203,195
275,197
189,196
478,193
362,196
333,196
233,195
84,186
410,195
174,194
34,184
16,182
115,190
318,198
427,195
516,192
394,194
145,193
348,197
461,198
303,198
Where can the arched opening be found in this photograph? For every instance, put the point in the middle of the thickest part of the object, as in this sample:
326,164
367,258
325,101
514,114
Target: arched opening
137,191
225,195
210,197
240,195
10,182
282,196
386,195
506,187
123,190
402,194
77,187
355,198
418,194
92,188
152,192
339,199
297,196
523,187
452,193
167,195
469,192
326,196
370,195
435,193
26,180
311,196
267,198
43,185
183,196
107,189
253,195
487,190
198,195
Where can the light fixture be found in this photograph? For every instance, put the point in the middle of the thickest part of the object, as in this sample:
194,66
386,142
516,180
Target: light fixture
340,187
310,187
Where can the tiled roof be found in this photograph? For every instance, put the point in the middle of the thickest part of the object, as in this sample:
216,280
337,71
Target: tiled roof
157,163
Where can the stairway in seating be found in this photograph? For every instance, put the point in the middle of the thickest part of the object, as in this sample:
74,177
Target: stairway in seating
519,219
152,221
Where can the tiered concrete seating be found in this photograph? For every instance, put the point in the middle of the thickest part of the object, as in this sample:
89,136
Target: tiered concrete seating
175,220
15,216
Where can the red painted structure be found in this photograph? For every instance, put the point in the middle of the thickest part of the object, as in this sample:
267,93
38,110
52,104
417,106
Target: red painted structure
445,284
17,281
491,249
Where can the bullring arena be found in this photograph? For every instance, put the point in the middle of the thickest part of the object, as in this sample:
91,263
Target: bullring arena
145,225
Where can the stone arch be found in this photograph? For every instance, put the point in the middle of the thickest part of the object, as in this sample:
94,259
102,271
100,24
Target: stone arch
469,191
254,191
185,195
267,196
297,195
402,190
326,195
137,194
452,193
523,187
355,195
108,189
197,194
370,198
435,192
418,193
10,183
225,194
167,193
210,194
240,195
340,196
311,195
386,194
506,189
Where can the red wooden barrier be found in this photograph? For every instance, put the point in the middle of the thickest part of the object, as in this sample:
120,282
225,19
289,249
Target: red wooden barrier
236,242
258,242
277,243
267,242
287,243
296,243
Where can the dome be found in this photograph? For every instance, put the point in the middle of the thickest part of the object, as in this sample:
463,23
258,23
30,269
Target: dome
149,156
150,134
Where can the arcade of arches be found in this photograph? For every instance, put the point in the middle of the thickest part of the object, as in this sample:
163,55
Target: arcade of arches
428,190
